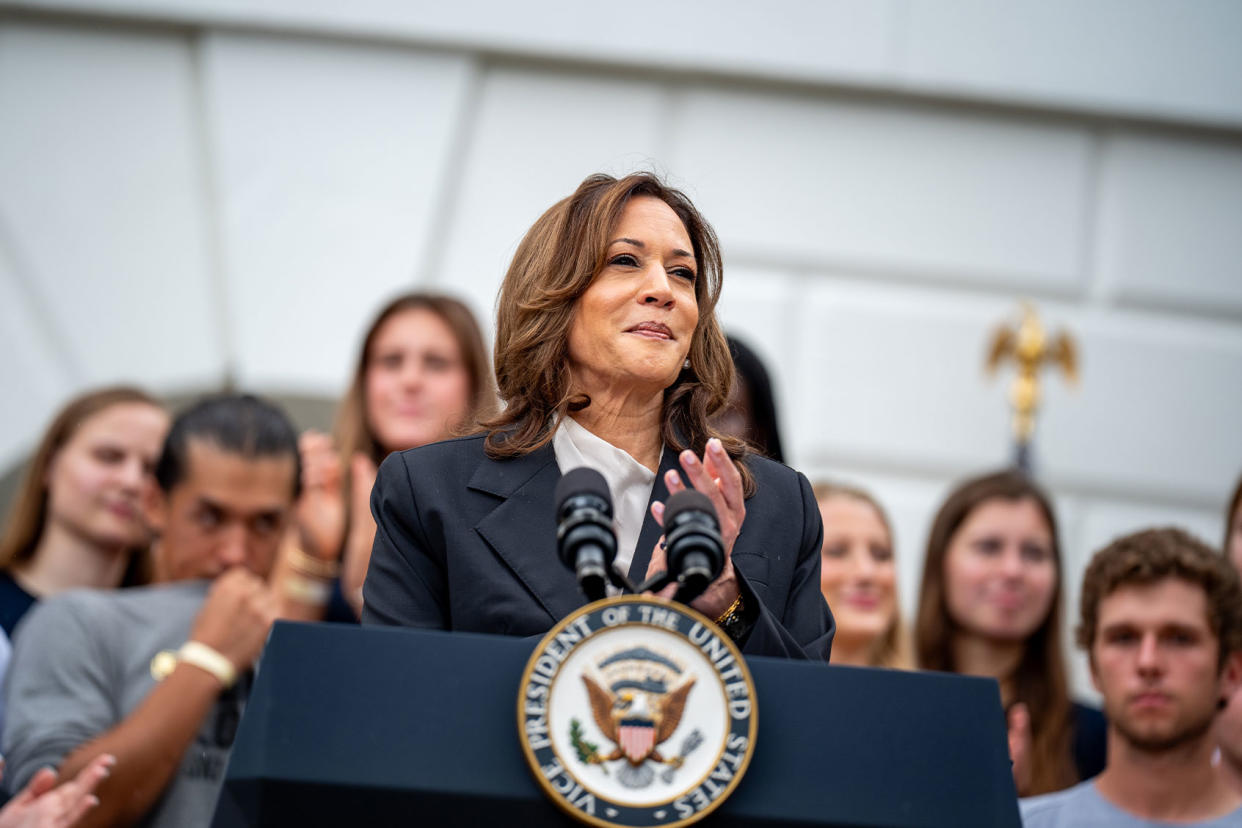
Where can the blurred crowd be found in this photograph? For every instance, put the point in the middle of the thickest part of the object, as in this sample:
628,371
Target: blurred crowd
251,521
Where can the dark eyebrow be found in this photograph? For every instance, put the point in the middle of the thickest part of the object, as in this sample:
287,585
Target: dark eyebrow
641,246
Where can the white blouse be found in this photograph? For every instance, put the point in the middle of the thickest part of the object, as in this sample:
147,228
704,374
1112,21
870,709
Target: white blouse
629,481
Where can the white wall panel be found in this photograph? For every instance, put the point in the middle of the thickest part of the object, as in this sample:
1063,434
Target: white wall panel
790,38
899,380
989,200
101,189
34,378
329,158
1171,221
537,135
896,376
755,306
1167,57
1156,411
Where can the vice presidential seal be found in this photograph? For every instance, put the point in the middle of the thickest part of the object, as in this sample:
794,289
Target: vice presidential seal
635,711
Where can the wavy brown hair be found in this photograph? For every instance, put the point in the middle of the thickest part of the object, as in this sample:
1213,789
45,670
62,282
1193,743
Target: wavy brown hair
892,648
352,430
1040,679
554,265
1153,555
28,515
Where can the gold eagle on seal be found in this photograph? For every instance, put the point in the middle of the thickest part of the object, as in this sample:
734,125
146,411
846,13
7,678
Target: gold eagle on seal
638,708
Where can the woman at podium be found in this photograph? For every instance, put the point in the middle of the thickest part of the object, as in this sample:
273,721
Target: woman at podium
608,354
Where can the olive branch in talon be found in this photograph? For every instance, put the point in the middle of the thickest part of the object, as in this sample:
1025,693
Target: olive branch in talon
588,752
687,747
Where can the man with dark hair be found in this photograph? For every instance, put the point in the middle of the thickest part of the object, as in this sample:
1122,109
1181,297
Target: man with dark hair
157,676
1162,625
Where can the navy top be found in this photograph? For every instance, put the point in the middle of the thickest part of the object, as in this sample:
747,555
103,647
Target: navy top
339,610
1090,740
14,602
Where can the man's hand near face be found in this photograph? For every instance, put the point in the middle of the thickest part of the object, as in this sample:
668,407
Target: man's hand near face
149,744
236,617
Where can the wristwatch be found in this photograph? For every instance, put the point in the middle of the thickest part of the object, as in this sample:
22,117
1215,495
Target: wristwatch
734,622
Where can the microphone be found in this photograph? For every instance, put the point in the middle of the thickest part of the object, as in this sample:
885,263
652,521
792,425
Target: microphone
585,541
692,543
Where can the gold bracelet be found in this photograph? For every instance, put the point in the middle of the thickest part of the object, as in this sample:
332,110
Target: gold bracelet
313,567
733,608
306,590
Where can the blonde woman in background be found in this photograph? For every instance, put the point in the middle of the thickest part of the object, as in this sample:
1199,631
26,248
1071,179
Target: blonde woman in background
858,577
422,374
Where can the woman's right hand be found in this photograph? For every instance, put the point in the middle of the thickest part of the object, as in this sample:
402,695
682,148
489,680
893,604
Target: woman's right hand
320,510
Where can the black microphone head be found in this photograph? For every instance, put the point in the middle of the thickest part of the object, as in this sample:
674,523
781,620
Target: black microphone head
585,541
688,500
583,480
693,545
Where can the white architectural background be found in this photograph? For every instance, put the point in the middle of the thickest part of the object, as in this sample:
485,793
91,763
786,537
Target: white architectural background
207,188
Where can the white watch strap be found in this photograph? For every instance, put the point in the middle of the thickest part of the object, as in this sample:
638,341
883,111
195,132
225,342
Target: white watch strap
209,659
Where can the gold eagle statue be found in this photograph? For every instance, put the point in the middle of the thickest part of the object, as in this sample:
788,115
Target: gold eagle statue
1030,348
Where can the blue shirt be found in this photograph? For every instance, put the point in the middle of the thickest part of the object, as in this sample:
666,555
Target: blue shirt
1082,807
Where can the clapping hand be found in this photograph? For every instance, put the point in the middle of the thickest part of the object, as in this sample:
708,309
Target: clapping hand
42,804
321,508
715,476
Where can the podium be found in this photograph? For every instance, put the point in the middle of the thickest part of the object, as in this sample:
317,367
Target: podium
375,726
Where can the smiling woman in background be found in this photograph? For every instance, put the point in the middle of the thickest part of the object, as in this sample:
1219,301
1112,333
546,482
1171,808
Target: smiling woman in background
77,519
858,577
608,354
422,374
990,605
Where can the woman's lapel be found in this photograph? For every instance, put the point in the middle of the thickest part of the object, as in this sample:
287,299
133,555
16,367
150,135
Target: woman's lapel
651,531
522,528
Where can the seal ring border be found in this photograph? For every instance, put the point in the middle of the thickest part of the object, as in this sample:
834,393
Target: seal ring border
533,765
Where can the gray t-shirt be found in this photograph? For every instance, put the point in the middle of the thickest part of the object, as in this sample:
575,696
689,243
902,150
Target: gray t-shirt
1082,807
82,663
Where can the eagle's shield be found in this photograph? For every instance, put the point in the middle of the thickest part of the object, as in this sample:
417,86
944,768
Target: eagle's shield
637,738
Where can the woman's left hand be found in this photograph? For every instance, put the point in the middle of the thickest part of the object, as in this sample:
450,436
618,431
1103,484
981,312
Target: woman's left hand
715,476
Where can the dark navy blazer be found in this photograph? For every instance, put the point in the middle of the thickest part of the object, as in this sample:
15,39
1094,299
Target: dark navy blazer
465,542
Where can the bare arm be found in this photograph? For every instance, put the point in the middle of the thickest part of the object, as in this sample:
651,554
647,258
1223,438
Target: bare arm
148,746
150,743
